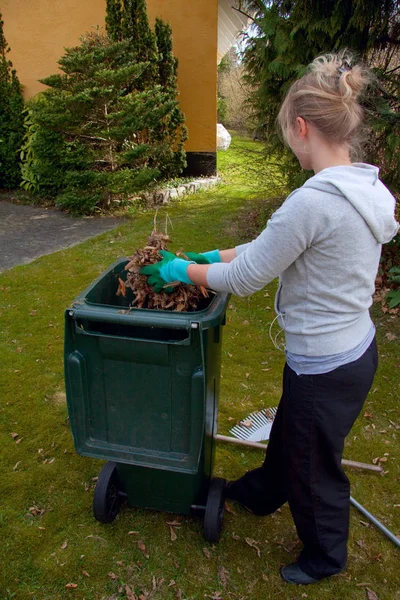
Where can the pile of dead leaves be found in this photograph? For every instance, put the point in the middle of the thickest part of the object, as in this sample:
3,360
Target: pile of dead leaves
183,298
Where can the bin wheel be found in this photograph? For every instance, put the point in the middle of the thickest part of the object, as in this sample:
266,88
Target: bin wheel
214,510
108,496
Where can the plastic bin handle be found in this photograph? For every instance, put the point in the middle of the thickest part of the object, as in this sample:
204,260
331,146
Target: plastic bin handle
158,335
144,319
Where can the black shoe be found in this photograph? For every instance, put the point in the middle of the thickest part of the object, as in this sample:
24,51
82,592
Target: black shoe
293,574
229,494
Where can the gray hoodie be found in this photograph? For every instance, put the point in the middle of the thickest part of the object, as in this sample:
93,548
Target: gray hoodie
324,243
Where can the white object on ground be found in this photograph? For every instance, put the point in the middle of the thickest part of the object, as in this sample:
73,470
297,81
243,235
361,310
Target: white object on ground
223,138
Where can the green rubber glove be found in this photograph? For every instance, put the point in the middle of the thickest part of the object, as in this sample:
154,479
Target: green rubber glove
158,284
169,269
205,258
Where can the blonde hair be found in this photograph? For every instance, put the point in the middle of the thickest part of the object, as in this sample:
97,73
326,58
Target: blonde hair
328,96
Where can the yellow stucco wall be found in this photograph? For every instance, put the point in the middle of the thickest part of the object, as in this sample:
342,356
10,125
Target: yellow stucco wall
39,30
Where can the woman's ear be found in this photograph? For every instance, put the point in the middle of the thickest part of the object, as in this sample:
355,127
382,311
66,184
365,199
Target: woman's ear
302,128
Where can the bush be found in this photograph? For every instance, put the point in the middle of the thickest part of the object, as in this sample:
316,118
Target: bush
11,118
109,125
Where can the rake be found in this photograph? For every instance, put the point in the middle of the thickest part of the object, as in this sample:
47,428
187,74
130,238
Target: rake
256,427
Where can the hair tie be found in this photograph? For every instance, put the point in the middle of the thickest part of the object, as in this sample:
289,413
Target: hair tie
344,67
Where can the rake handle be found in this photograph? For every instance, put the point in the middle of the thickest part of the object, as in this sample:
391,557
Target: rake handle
347,463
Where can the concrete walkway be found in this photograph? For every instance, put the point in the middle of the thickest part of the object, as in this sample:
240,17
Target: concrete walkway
27,232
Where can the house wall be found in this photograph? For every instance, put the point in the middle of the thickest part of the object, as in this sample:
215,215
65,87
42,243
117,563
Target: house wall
39,30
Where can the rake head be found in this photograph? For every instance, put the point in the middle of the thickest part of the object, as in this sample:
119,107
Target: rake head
256,427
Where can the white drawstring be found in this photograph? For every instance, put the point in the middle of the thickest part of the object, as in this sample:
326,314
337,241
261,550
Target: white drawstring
278,345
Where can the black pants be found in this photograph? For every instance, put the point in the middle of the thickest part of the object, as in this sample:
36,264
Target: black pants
303,460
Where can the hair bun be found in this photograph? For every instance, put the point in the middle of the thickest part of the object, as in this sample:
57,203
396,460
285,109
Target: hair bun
352,82
328,96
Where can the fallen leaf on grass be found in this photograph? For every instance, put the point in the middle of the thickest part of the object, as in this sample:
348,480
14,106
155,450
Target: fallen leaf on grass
64,545
230,510
254,544
14,435
173,534
246,423
371,594
391,336
223,575
377,557
85,573
36,510
15,467
130,594
142,547
71,586
207,552
112,575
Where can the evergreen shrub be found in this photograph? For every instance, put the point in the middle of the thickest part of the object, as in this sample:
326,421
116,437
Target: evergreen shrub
110,125
11,118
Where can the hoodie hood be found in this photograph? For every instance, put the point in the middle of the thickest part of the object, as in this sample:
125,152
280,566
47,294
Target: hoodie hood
360,185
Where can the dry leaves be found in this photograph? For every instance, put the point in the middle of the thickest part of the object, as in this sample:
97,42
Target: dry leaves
183,298
130,594
142,547
255,545
371,594
36,510
223,575
172,525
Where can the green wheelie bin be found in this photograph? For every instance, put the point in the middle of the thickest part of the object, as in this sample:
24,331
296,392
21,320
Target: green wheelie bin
142,392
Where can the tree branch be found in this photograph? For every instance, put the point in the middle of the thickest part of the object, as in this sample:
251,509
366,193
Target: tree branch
244,13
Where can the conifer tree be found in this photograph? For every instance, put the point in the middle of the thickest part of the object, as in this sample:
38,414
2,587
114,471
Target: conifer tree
168,79
167,63
287,36
136,29
11,118
114,20
98,134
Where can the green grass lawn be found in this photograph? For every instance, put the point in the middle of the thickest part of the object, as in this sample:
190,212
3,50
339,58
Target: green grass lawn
49,538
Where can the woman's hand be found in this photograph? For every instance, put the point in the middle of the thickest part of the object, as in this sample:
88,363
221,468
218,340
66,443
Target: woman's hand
168,270
205,258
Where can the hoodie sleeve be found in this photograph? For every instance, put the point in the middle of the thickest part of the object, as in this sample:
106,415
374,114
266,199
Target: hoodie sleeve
291,230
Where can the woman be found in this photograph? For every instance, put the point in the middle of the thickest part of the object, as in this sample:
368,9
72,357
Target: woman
324,243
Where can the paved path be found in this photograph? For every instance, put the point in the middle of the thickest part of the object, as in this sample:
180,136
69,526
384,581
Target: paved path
27,232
